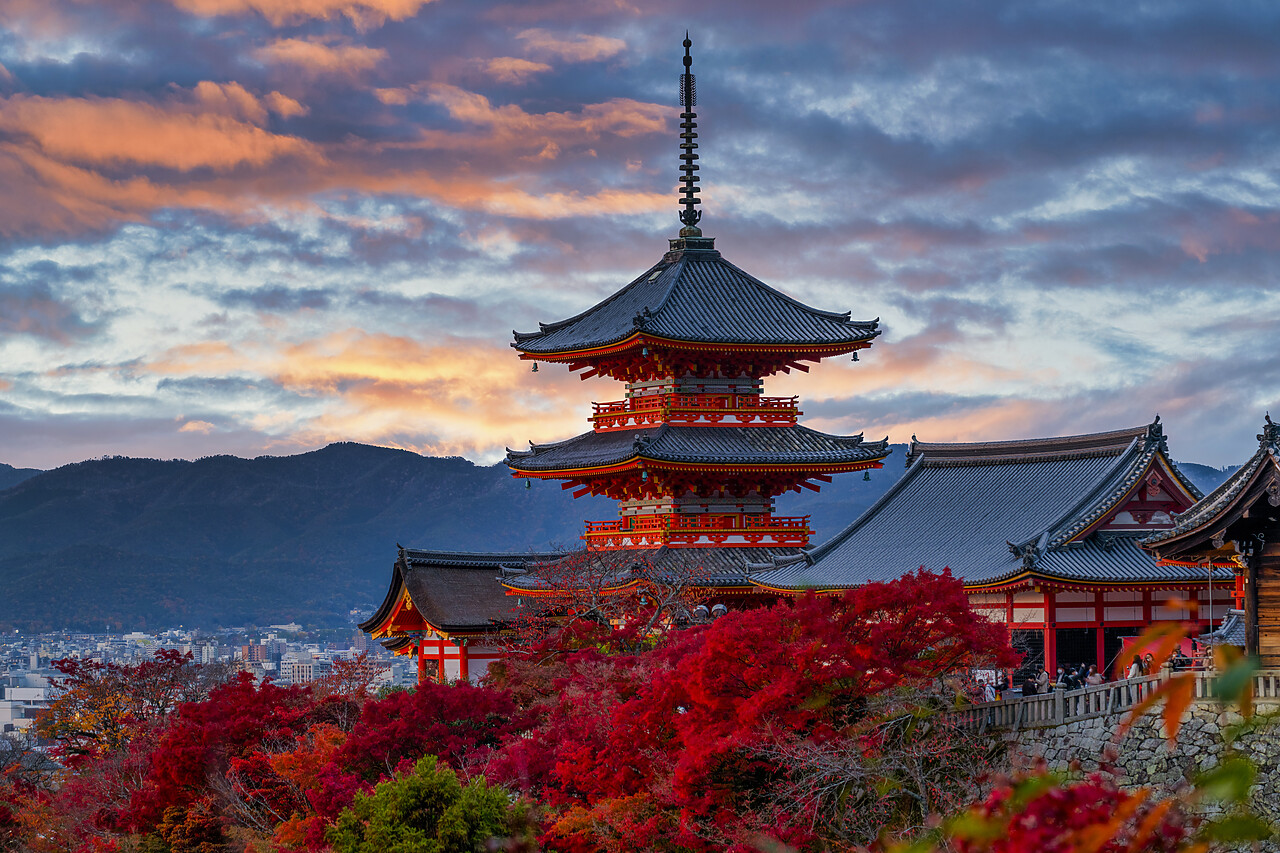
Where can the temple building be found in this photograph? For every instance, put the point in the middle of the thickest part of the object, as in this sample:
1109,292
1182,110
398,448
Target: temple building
1236,529
694,453
1045,534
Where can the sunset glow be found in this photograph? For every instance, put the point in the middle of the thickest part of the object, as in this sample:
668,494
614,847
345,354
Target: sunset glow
259,226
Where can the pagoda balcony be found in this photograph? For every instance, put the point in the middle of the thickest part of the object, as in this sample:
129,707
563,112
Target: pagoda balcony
695,410
708,531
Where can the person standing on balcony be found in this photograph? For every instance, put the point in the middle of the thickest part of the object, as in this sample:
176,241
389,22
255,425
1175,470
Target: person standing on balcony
1093,678
1042,681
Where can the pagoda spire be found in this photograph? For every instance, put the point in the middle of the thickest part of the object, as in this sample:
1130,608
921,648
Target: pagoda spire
689,149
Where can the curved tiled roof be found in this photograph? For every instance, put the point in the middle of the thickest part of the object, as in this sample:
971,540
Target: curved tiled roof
695,295
1207,511
991,511
454,591
781,445
702,567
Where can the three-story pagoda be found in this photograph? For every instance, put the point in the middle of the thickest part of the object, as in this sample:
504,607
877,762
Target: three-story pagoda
695,454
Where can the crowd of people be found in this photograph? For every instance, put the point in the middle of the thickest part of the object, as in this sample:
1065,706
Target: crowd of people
1076,676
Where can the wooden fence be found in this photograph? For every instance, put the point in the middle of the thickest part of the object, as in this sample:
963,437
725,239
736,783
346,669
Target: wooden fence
1064,706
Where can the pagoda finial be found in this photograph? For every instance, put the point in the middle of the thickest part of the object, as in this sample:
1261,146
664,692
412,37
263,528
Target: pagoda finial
689,149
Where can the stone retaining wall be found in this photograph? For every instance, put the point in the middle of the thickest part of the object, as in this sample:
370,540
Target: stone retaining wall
1143,757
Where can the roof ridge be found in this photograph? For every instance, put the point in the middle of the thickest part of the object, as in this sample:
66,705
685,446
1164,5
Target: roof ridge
1104,489
544,328
1096,443
820,551
830,315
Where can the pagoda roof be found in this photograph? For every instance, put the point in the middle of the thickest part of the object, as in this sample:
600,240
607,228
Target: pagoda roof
1258,478
710,568
1230,633
453,591
724,446
694,295
994,512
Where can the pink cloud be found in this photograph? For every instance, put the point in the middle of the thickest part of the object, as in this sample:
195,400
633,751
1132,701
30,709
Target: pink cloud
321,56
365,14
510,69
578,48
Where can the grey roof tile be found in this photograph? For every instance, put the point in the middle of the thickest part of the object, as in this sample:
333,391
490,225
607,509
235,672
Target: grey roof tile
711,445
961,506
706,567
697,296
453,590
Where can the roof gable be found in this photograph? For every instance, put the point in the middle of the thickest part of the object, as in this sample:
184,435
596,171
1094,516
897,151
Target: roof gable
993,510
1257,480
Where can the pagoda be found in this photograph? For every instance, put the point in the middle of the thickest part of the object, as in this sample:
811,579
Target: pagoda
695,454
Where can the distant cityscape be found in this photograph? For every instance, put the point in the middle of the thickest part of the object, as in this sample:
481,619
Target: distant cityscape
285,653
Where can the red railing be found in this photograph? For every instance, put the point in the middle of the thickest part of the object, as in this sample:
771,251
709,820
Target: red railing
699,522
731,409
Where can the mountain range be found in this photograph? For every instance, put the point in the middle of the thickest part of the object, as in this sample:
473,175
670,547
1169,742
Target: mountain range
123,544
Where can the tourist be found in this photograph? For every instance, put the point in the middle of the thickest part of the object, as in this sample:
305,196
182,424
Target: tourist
1135,668
1148,664
988,691
1042,681
1093,678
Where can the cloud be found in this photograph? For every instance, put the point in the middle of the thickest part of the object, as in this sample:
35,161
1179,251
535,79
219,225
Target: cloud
365,14
32,309
202,427
321,56
113,131
284,106
277,298
578,48
510,69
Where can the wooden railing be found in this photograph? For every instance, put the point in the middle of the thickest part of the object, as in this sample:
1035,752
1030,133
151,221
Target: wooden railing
699,522
703,409
1114,697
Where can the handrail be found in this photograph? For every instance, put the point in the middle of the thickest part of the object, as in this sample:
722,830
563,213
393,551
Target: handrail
1065,706
722,402
698,522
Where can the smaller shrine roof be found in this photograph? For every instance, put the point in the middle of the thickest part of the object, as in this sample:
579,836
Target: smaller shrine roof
761,445
1229,633
992,511
1213,510
695,295
701,567
453,591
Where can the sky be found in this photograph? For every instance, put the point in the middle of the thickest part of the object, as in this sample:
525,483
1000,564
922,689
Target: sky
260,226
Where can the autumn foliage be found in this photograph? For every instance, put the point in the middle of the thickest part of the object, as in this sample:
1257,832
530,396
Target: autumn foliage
816,723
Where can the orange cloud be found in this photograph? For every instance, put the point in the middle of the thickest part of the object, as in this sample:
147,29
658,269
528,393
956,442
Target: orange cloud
579,48
229,99
365,14
284,106
448,396
619,116
202,427
115,131
319,56
509,69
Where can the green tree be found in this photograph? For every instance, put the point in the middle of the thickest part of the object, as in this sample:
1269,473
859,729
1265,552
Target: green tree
426,811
